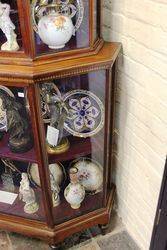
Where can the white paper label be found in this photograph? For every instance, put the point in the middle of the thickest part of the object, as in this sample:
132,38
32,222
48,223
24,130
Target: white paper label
52,136
20,94
7,197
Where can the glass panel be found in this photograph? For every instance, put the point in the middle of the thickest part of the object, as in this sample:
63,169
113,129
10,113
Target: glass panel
19,176
74,108
10,34
19,193
63,27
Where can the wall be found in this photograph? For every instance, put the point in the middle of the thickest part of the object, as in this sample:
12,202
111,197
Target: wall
141,27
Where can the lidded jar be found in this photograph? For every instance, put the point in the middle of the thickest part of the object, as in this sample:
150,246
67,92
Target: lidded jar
74,192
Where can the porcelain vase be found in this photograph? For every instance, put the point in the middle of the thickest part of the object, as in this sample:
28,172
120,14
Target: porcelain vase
74,192
55,30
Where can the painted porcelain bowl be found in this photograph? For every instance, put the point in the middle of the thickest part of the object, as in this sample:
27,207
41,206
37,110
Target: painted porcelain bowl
90,174
55,30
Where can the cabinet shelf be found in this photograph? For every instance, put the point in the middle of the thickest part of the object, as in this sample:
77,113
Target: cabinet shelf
5,152
90,203
78,147
17,208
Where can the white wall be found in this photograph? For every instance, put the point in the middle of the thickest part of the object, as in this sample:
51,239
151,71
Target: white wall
141,26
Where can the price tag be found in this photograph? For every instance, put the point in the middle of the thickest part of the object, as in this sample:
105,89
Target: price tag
20,94
7,197
52,136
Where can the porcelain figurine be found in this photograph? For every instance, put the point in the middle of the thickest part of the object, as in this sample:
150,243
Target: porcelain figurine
55,191
8,28
74,192
27,195
55,26
18,127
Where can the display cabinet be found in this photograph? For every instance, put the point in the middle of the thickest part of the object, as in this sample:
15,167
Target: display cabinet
57,104
56,145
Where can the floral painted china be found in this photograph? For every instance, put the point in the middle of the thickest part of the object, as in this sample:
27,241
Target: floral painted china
90,174
53,21
85,113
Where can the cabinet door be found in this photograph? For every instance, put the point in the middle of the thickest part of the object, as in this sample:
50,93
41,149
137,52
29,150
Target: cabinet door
76,117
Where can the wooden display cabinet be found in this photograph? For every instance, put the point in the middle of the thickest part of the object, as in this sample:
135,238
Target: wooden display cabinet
35,77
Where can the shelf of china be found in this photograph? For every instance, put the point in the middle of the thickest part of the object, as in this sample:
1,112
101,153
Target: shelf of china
63,210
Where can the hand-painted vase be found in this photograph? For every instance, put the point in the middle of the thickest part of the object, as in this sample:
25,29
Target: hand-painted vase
74,192
55,30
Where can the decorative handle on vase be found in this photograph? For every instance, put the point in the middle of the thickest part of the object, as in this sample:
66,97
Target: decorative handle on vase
67,9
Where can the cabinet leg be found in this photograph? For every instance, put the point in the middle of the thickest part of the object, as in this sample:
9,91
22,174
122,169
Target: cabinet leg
104,229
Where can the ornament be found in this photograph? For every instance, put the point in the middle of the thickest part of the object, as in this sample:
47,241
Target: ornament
74,192
27,195
8,28
53,22
85,113
90,174
55,191
18,127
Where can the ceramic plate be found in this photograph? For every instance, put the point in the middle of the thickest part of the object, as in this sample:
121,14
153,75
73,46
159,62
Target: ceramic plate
85,113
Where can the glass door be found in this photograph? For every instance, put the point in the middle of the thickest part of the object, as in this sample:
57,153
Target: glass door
73,111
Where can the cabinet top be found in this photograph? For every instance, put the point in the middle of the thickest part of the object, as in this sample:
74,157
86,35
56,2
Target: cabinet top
16,74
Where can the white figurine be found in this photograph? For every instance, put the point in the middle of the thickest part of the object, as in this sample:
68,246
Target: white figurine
27,195
8,28
55,191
